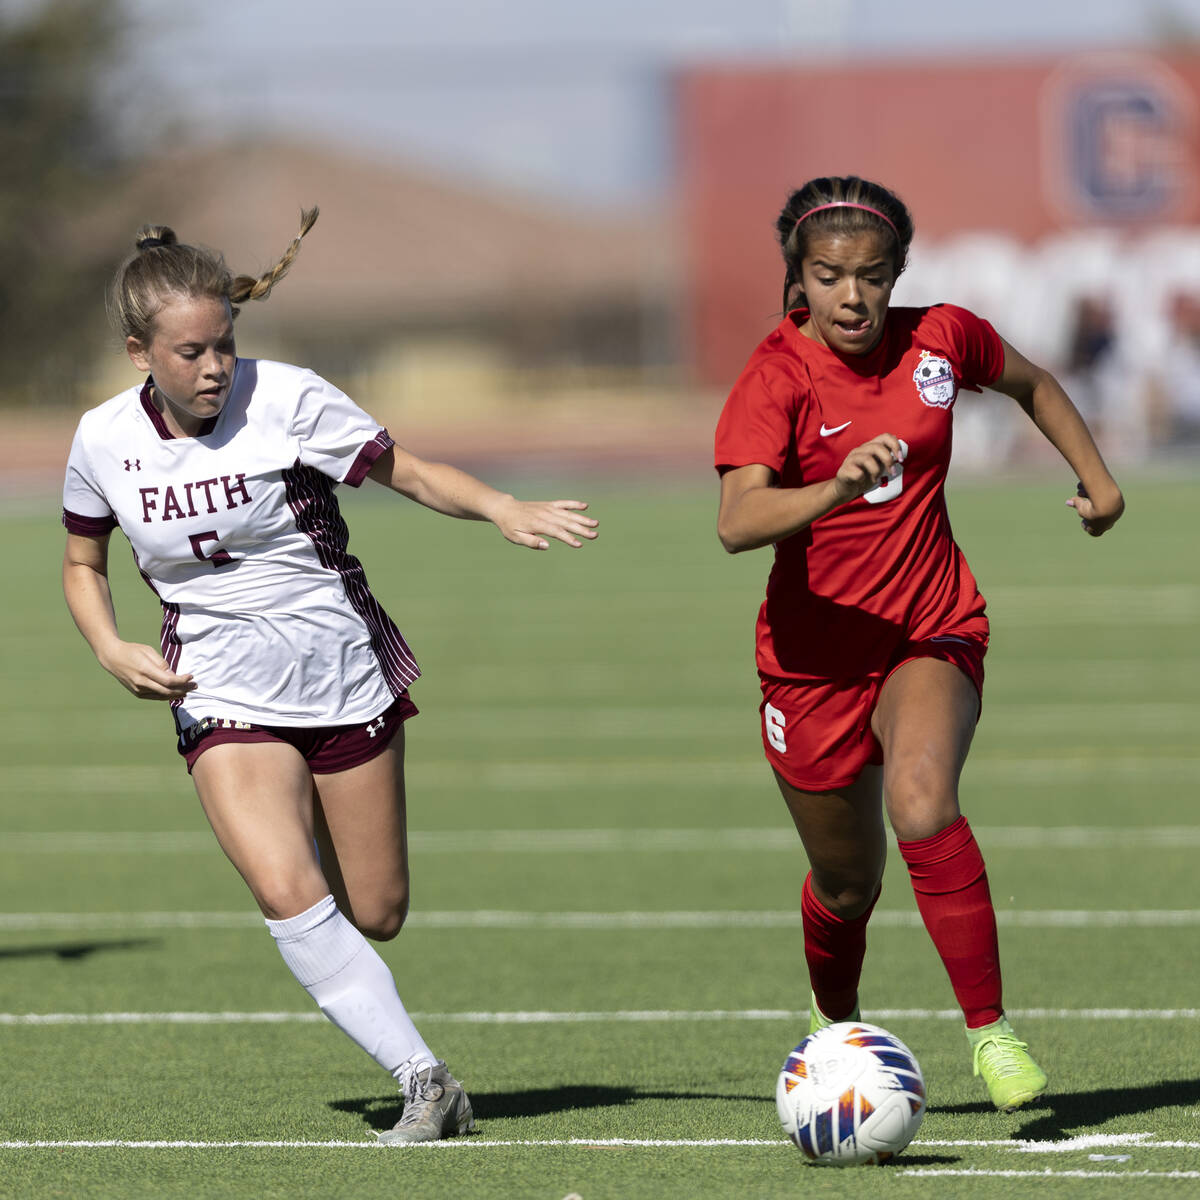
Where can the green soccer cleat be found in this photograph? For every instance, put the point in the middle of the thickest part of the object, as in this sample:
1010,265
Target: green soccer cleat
1012,1077
818,1020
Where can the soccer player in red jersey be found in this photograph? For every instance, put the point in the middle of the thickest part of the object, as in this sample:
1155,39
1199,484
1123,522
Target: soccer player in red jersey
833,446
287,680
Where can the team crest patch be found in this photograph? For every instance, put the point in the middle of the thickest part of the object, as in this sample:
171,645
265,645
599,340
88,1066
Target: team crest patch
935,380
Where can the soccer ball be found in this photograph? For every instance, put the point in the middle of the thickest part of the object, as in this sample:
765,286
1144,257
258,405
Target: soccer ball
850,1093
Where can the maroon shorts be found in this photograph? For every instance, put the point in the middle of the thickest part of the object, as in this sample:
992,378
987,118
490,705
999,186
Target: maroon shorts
327,749
817,733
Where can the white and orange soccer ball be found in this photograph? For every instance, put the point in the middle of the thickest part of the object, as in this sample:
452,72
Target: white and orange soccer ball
850,1094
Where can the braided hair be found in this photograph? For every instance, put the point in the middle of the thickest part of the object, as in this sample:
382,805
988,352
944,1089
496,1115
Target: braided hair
161,266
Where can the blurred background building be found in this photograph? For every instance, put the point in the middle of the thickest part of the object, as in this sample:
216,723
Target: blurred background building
537,214
1058,196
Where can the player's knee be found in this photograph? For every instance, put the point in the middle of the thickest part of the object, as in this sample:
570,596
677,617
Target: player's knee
847,897
852,903
281,897
922,814
384,919
920,803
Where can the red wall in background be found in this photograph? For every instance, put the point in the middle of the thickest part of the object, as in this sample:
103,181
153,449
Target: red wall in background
1027,148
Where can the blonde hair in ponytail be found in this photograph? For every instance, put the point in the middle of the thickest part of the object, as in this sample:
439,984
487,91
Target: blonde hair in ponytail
247,287
161,267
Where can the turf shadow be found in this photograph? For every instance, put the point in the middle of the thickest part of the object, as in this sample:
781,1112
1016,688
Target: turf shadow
911,1158
75,951
531,1102
1054,1117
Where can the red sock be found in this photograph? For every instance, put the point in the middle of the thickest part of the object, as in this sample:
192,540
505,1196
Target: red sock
950,882
834,949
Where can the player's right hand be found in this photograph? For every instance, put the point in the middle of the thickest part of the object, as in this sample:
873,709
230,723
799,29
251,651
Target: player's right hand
867,466
144,672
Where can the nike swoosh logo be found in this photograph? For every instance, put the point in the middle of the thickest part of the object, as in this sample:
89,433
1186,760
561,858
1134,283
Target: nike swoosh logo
826,432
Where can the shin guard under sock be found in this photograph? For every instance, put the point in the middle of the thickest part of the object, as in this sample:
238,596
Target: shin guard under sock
351,984
950,881
834,949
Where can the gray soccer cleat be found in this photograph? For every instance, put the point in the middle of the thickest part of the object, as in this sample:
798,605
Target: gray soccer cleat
435,1107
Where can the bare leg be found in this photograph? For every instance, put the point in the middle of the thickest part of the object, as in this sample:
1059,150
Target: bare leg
844,838
925,720
362,833
260,799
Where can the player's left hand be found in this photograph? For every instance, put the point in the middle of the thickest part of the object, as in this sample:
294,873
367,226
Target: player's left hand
1097,516
530,522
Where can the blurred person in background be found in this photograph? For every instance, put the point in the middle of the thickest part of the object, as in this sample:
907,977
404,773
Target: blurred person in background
1090,348
1104,383
834,446
287,680
1175,385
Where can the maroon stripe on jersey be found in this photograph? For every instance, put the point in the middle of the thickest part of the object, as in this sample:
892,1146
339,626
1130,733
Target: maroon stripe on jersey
172,647
313,504
168,637
88,526
156,418
367,456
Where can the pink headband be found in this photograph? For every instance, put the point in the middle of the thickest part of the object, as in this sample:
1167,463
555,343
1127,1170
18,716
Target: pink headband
848,204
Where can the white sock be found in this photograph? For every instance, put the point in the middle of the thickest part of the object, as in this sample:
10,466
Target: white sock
352,985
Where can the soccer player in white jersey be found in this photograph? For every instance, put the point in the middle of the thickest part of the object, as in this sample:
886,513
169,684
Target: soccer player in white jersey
287,680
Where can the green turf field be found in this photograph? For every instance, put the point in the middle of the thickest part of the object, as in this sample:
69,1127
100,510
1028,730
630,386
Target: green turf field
605,941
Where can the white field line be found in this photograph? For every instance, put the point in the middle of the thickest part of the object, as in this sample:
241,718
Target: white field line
467,1143
526,776
478,1143
77,922
1047,1173
1140,1141
621,841
1097,1141
616,1016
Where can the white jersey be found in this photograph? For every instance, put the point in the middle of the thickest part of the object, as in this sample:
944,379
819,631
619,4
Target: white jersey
238,532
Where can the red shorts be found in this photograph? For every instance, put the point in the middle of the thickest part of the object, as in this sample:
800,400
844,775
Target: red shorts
327,749
817,733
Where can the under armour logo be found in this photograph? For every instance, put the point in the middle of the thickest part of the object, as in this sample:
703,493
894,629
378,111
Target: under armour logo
374,727
133,464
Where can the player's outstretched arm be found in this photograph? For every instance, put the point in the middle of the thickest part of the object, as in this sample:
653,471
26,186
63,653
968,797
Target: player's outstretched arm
1098,502
139,668
755,512
448,490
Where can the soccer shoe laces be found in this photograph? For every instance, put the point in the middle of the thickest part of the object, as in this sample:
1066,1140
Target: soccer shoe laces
421,1085
1004,1055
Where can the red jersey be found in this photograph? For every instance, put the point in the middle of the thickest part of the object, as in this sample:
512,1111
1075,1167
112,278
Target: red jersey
883,569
